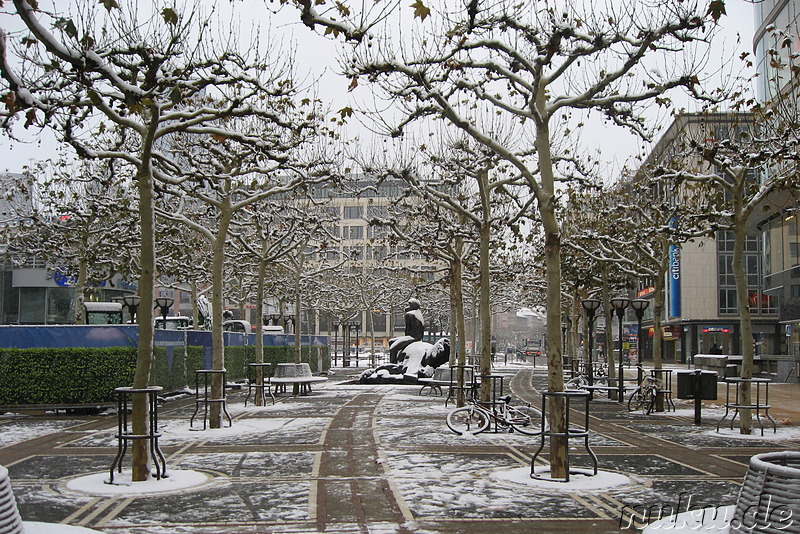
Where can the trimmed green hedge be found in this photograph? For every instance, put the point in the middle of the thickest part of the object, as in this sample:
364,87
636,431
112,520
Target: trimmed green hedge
64,376
90,375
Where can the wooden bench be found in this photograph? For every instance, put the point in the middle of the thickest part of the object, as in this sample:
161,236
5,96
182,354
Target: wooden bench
295,373
433,385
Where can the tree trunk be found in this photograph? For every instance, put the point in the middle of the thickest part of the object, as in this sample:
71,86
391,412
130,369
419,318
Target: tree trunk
745,323
217,305
195,310
140,461
80,292
658,310
485,311
259,358
458,343
609,320
552,252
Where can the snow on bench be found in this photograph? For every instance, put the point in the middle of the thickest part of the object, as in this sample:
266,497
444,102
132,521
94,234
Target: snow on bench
295,373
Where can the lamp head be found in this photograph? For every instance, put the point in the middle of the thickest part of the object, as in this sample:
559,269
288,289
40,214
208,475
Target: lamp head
640,304
591,305
619,303
131,300
164,302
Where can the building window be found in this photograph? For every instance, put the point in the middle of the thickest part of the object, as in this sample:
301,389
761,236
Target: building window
378,211
59,305
379,322
352,232
727,302
795,292
352,212
32,305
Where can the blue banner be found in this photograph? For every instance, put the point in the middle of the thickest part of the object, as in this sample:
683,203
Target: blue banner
674,277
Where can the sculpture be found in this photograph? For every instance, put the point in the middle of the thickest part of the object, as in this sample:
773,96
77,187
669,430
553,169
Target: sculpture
410,358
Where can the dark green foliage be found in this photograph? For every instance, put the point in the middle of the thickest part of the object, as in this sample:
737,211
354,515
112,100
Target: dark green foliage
90,375
64,376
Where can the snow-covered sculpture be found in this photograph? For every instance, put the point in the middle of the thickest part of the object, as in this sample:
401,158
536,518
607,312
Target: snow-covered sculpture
417,360
414,330
410,357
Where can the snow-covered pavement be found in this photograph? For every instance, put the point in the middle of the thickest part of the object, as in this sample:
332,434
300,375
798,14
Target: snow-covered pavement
376,459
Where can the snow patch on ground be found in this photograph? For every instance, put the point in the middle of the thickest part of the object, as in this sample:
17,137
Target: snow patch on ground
782,433
177,481
35,527
579,479
23,429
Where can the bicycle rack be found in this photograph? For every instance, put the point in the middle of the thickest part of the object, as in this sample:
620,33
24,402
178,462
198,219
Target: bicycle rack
493,404
125,433
571,432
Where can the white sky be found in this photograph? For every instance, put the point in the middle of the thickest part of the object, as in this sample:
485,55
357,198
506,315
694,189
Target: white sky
318,56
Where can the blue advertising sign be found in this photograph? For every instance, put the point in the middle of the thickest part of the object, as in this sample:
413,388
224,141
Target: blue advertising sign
674,281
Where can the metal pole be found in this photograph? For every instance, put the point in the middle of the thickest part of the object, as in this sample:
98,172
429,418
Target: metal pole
621,394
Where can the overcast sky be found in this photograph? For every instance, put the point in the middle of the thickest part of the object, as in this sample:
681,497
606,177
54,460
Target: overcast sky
316,55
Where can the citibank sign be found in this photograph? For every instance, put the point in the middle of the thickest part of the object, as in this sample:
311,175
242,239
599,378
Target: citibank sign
62,279
674,285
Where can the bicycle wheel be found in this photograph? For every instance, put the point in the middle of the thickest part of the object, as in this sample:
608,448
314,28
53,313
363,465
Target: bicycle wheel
649,400
525,419
635,400
467,420
576,383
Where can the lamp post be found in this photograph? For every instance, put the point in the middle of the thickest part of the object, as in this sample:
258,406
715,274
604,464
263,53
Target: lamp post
345,343
356,327
564,340
590,305
163,304
639,306
132,302
619,304
336,323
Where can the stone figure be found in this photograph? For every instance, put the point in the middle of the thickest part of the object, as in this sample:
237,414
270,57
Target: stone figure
410,357
414,330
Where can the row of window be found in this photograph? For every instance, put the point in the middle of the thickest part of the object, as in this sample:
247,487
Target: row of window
760,302
356,212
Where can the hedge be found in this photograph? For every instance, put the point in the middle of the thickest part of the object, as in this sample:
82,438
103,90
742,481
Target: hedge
90,375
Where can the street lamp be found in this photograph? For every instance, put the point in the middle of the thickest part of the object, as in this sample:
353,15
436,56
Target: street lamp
132,302
639,306
356,327
163,304
275,317
336,323
619,304
591,306
345,343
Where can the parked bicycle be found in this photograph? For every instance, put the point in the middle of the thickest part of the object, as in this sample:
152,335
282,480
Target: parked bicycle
476,417
581,379
644,396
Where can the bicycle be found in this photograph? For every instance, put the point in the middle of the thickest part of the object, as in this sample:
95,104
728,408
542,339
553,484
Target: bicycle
644,396
476,417
581,379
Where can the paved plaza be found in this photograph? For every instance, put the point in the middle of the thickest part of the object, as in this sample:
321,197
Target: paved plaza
374,459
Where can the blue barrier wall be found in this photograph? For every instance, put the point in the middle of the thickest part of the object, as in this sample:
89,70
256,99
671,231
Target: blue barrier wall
101,336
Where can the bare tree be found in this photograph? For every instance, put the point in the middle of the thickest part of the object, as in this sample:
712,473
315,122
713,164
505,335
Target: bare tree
142,75
82,224
739,166
535,65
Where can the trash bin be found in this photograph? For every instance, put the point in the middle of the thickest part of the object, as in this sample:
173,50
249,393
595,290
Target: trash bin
687,384
730,370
